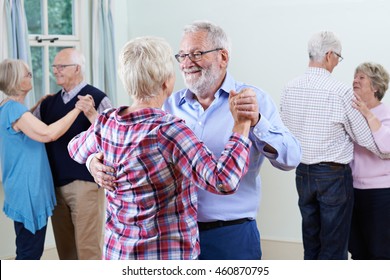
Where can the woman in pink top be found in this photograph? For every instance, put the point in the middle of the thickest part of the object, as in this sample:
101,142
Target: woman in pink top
370,230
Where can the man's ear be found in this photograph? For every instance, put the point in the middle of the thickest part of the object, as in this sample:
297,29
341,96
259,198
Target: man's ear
328,61
78,68
225,57
328,55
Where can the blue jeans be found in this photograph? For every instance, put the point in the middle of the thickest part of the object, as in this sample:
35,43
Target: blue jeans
235,242
29,246
326,202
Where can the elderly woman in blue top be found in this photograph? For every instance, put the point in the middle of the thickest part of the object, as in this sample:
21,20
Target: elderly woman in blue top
27,181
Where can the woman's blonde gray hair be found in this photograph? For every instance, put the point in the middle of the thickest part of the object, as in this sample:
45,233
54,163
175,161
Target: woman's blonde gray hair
145,63
378,76
12,71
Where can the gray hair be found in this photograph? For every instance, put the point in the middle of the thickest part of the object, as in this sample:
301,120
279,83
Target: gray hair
322,43
216,35
77,57
145,63
12,72
378,76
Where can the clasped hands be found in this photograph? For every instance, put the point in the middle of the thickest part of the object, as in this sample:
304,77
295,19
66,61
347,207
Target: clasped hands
86,104
244,106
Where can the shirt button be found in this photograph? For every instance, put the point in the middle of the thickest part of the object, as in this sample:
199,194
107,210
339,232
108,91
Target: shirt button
220,186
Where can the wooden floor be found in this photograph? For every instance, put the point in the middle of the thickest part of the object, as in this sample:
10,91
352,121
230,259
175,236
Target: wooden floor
272,250
50,254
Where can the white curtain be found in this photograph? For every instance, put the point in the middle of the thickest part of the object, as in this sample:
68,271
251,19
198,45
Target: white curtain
15,35
14,38
103,49
5,22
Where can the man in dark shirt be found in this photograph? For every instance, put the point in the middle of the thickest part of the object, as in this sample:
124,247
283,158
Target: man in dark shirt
79,215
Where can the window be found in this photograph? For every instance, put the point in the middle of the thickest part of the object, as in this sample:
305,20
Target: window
52,26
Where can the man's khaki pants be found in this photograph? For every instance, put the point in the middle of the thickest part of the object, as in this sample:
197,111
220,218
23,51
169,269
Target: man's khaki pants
78,221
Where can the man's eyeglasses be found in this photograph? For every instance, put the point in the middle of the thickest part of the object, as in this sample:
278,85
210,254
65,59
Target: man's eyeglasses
339,56
61,67
195,56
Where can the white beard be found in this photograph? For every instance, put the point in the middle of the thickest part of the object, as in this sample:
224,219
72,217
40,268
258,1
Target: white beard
200,86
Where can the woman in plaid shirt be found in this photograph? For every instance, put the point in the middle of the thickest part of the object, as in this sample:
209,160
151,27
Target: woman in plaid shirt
158,161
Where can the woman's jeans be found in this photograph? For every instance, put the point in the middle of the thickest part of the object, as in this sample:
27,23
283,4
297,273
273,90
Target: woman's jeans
370,230
29,246
325,200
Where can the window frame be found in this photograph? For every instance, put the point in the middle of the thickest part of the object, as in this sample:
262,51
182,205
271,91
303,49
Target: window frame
63,40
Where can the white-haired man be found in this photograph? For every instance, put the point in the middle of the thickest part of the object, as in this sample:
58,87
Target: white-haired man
227,225
79,215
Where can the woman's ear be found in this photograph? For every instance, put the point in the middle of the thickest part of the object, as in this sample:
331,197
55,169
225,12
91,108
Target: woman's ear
164,88
168,85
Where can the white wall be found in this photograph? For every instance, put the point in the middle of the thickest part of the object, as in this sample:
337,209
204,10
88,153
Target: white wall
269,48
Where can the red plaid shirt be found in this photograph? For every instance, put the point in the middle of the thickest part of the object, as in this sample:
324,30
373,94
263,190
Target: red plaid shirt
159,162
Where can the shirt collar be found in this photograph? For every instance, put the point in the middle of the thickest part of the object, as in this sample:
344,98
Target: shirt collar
317,71
73,92
138,116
